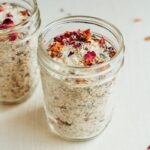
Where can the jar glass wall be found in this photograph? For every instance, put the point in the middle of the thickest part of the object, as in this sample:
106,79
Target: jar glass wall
78,100
19,72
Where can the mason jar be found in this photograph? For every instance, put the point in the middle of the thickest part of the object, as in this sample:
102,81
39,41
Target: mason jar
19,72
79,100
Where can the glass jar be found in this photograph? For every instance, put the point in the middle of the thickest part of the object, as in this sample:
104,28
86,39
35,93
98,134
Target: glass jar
19,72
78,100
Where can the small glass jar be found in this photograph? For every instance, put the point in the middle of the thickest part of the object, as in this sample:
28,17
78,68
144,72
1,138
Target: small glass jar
78,100
19,72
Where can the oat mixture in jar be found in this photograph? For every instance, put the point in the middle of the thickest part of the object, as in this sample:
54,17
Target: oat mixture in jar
19,73
78,69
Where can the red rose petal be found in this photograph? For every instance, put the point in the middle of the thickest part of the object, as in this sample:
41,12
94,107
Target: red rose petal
148,148
1,8
13,36
9,15
25,13
102,42
58,39
68,34
76,45
87,33
112,53
71,41
7,23
89,58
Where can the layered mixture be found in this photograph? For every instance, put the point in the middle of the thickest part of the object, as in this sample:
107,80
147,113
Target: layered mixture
18,60
75,111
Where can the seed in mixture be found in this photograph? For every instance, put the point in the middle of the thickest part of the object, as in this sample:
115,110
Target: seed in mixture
80,48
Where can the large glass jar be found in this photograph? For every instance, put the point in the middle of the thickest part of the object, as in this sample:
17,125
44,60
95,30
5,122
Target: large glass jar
19,72
78,100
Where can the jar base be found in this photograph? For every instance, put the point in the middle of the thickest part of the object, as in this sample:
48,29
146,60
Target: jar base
54,131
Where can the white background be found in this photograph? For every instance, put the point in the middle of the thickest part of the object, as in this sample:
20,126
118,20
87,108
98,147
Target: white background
24,127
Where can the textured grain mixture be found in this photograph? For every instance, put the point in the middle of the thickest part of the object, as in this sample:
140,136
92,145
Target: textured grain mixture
18,65
75,108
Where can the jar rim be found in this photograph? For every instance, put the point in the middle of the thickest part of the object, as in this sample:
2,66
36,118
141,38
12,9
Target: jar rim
76,18
18,26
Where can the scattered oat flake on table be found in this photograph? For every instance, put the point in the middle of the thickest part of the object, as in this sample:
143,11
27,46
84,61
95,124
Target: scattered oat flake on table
147,38
137,20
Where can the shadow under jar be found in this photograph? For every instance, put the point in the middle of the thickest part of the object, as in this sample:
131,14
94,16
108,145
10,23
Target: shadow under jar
79,99
19,72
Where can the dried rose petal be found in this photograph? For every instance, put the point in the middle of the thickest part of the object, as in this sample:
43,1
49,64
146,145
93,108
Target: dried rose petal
89,58
71,41
9,15
80,36
102,42
1,8
112,53
13,36
87,34
68,34
7,23
76,45
58,39
148,148
55,54
25,13
57,46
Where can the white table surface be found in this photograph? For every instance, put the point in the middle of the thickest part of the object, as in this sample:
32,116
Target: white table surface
24,127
